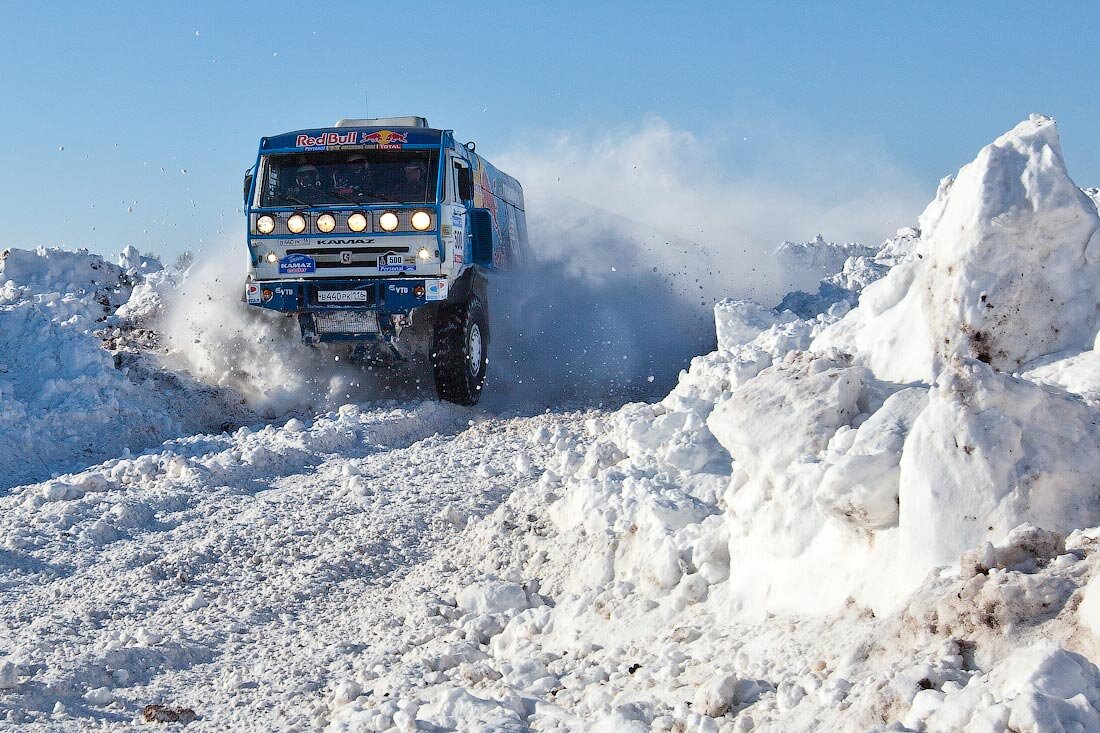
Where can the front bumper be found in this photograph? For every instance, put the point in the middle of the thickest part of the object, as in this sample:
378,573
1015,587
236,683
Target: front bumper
321,303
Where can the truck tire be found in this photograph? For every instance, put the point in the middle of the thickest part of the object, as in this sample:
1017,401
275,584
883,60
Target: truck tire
460,344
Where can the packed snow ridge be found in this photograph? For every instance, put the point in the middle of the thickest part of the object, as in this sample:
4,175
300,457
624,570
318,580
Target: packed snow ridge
876,507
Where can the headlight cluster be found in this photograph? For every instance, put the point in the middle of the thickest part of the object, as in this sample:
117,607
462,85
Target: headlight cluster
388,221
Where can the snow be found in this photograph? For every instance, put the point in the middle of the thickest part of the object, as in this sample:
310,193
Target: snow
1007,268
850,515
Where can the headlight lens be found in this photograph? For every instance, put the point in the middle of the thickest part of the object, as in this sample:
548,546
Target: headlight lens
423,253
388,221
272,257
265,224
296,223
421,220
356,222
326,223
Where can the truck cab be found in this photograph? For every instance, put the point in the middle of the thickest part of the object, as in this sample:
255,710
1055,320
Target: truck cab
380,231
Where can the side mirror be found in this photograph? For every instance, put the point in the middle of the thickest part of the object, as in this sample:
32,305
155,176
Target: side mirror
465,184
247,186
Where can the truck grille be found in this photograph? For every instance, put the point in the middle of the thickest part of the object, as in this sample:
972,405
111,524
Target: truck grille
347,322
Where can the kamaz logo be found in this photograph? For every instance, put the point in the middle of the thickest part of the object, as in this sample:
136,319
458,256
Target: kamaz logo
338,242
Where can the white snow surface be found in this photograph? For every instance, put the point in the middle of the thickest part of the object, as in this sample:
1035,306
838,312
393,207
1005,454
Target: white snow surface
871,519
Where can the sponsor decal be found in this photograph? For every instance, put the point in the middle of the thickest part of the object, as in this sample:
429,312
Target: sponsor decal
459,259
345,258
268,295
325,138
435,290
252,293
400,289
446,230
391,262
385,139
297,265
456,219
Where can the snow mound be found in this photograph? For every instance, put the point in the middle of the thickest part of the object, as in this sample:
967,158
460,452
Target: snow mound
1008,269
818,258
57,308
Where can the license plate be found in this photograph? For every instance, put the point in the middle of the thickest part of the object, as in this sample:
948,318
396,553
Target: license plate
341,296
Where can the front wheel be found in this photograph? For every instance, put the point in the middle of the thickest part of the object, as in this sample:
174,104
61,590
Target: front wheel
460,351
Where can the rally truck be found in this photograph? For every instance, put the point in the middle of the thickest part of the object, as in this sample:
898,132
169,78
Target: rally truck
383,233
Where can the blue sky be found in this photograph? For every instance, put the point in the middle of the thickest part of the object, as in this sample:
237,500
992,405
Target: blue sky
135,96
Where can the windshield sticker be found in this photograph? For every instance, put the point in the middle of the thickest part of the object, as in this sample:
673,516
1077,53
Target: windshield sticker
297,265
390,262
385,139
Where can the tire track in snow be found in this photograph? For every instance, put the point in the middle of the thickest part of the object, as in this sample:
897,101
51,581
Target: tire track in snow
224,572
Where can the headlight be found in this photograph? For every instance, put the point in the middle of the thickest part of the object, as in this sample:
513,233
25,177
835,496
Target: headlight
356,222
272,257
265,224
326,223
296,223
421,220
423,253
388,221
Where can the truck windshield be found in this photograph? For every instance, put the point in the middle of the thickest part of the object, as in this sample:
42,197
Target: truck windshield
350,177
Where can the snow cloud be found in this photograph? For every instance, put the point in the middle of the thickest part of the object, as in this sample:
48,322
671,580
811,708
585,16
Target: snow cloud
637,233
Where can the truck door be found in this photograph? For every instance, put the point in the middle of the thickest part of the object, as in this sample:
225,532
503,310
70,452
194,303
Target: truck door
454,211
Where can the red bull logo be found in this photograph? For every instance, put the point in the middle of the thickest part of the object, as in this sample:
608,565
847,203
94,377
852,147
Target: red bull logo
385,139
325,138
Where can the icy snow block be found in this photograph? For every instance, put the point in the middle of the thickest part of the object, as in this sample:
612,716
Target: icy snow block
1038,689
991,452
859,484
737,322
492,597
787,411
1008,268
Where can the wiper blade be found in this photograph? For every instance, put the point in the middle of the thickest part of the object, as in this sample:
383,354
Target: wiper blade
345,199
293,199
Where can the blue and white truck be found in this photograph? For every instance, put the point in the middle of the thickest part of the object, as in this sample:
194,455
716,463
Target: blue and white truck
384,232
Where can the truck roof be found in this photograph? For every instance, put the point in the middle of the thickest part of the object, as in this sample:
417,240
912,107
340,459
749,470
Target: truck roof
349,136
410,121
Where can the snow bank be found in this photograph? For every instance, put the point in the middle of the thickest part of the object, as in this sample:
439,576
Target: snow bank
1007,269
56,379
818,258
904,477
